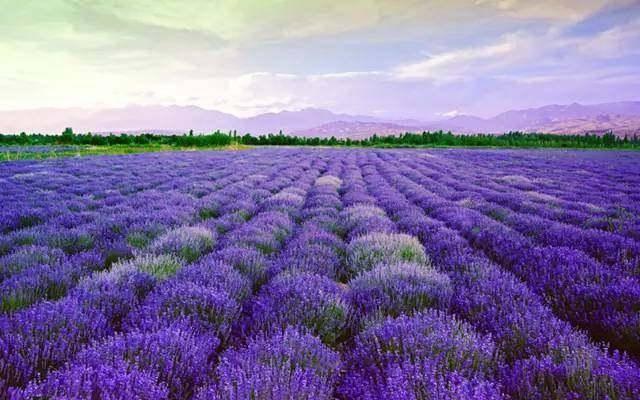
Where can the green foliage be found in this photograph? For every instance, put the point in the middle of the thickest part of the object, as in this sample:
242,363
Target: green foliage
67,136
424,139
160,266
139,240
448,139
214,139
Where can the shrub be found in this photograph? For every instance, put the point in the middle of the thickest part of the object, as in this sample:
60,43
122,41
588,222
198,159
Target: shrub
42,282
366,252
265,232
326,218
160,266
179,357
312,258
218,276
187,242
28,257
285,201
141,234
419,380
287,365
43,337
226,222
361,219
183,302
430,335
328,201
402,288
311,233
329,180
72,241
305,300
115,292
250,262
573,373
92,379
359,212
138,240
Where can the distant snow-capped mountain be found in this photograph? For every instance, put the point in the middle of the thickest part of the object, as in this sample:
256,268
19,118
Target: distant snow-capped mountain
621,117
164,119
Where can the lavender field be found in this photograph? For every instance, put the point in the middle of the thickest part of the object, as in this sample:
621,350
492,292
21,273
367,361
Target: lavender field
321,274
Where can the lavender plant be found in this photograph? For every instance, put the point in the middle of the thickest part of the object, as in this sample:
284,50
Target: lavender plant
366,252
309,301
290,273
286,365
189,243
395,289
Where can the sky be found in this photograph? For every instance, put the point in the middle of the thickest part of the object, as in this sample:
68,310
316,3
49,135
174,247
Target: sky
424,59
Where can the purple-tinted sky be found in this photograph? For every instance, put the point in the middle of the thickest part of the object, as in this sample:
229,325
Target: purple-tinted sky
395,58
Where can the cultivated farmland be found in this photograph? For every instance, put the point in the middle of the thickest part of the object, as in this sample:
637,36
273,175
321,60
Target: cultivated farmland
321,273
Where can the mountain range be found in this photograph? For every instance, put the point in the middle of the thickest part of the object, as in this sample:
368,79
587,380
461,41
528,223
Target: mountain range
623,118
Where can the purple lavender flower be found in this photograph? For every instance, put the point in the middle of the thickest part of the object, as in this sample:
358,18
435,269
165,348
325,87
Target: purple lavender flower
27,257
250,262
179,357
217,276
432,335
361,219
42,282
190,243
41,338
531,258
419,380
115,292
71,241
365,252
305,300
160,266
329,180
395,289
184,302
310,257
92,379
579,372
265,232
286,365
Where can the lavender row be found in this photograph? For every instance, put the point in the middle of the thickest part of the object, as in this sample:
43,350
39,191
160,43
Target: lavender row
281,350
38,271
392,355
544,355
579,289
131,282
611,207
290,273
614,249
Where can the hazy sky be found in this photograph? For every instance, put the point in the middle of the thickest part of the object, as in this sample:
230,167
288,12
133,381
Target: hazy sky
401,58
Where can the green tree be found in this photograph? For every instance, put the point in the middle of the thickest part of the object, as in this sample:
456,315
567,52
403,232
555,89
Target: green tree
67,136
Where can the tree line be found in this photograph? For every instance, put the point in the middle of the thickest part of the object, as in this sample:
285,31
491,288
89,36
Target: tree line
424,139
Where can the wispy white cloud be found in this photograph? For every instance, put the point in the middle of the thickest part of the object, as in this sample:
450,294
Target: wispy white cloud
555,10
458,55
615,42
532,58
462,63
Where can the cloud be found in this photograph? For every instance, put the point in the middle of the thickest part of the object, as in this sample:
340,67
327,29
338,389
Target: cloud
565,10
401,58
528,57
459,64
615,42
257,19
